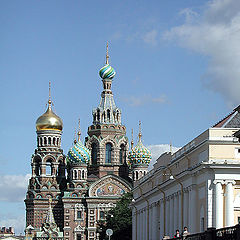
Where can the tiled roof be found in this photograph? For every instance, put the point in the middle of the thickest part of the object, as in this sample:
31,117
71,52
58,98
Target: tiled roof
226,119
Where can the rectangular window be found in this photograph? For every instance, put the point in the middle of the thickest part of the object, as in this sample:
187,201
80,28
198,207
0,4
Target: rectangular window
102,215
79,214
238,220
79,237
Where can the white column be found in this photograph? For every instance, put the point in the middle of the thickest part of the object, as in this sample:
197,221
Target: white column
161,219
134,224
171,216
144,236
150,222
218,204
158,220
229,207
193,209
185,208
180,227
142,225
154,222
175,217
167,216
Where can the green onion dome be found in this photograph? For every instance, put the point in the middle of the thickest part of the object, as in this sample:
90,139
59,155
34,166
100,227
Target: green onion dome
79,154
139,155
107,72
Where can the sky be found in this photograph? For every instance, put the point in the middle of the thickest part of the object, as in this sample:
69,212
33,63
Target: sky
177,65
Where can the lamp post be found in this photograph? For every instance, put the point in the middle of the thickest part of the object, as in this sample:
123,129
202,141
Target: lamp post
133,201
147,211
164,206
173,177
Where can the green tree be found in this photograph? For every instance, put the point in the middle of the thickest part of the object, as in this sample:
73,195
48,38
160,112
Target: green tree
119,219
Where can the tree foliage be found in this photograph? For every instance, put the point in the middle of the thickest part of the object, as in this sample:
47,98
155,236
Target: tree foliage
119,219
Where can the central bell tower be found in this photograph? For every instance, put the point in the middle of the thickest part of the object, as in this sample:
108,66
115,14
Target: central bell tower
107,136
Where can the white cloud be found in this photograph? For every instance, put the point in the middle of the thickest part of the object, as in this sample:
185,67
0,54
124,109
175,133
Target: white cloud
158,150
214,33
13,187
136,101
150,37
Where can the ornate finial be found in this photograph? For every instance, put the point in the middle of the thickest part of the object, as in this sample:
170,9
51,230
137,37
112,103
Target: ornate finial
107,56
140,131
49,94
132,140
75,136
79,131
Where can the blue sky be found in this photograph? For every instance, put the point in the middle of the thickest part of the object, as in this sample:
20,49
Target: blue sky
177,65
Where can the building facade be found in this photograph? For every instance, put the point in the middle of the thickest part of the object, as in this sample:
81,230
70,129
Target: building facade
198,186
84,184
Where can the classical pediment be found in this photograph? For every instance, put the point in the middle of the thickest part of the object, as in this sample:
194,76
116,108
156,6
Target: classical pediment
109,186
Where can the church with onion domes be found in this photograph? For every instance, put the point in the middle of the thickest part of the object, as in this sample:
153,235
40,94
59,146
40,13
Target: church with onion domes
69,194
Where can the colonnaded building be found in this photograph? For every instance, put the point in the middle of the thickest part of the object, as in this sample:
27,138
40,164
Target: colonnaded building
198,186
68,195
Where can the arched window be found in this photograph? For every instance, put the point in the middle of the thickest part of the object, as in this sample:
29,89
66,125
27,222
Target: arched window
122,154
94,154
75,174
45,141
37,167
41,141
98,115
103,117
108,152
49,168
49,141
82,174
60,171
117,116
57,141
54,141
136,175
108,115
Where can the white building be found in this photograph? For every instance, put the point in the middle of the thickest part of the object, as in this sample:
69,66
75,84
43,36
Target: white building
198,186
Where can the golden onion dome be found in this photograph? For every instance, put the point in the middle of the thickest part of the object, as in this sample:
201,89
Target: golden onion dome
49,120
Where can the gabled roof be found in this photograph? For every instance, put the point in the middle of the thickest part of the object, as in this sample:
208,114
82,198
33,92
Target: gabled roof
232,120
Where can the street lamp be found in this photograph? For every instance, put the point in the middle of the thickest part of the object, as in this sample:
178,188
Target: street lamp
173,177
133,201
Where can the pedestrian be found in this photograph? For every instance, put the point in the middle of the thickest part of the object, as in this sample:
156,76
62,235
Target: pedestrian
177,234
185,231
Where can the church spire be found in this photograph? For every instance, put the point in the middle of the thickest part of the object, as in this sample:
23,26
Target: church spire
140,132
79,130
107,56
49,93
132,140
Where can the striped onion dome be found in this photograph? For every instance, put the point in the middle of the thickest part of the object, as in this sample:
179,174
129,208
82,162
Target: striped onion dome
139,155
78,154
107,72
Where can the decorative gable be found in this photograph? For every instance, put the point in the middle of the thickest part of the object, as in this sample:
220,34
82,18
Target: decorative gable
109,186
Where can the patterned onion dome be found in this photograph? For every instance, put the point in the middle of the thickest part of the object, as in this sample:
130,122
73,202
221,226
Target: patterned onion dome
49,120
107,72
79,154
139,155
